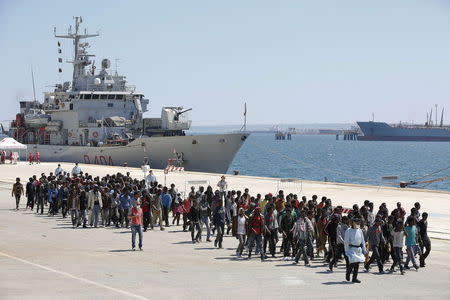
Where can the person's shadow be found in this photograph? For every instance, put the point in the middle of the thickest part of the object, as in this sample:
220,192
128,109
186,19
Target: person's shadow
337,282
121,250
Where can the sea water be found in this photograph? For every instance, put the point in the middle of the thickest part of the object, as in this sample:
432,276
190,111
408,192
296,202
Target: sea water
323,158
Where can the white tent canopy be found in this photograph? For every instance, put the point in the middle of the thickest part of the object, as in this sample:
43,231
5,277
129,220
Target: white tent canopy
10,144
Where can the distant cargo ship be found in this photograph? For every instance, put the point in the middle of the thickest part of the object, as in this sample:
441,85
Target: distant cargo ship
380,131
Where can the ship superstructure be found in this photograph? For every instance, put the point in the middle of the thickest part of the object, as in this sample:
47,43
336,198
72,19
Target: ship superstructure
98,114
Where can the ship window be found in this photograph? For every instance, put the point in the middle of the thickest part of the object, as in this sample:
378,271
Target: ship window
95,96
103,96
119,97
71,106
111,96
110,104
87,96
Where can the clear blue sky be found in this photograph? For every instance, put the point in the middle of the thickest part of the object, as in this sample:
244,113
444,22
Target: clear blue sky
292,61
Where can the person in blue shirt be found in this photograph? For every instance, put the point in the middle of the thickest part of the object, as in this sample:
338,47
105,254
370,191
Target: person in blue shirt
53,200
411,231
166,201
125,204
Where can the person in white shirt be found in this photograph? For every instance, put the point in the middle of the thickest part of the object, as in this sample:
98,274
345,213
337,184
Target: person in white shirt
76,170
223,187
150,179
241,231
59,171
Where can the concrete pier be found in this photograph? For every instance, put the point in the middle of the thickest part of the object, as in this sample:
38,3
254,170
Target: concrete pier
42,257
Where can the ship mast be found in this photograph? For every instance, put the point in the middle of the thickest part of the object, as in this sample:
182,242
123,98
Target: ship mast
81,58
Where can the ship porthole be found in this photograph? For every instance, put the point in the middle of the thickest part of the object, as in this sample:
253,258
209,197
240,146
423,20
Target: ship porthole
243,138
222,141
194,142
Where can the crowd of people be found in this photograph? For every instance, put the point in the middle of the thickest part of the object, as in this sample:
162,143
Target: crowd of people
303,228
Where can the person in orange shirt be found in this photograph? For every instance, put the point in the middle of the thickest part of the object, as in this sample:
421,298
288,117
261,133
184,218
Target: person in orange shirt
136,224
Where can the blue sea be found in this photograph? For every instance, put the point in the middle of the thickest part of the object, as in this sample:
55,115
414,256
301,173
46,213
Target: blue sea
322,157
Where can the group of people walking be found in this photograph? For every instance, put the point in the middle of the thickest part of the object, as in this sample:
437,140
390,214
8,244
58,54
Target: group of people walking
304,229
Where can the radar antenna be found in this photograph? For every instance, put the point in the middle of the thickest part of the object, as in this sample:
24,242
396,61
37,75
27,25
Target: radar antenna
81,57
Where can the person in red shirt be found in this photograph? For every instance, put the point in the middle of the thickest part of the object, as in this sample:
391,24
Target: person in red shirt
136,225
255,231
186,209
38,158
30,158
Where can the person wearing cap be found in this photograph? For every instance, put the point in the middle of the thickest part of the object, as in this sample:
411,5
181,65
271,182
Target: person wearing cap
136,224
256,229
375,237
355,248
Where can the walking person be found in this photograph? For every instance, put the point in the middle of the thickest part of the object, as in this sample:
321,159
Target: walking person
375,238
63,194
177,209
255,230
95,206
82,218
136,225
194,217
303,227
125,204
398,241
219,220
74,206
146,211
30,193
205,213
270,237
339,248
241,231
355,249
17,191
186,209
106,207
287,229
166,201
157,209
424,240
411,244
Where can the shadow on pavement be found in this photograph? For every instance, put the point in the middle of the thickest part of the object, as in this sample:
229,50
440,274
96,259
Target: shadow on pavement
337,282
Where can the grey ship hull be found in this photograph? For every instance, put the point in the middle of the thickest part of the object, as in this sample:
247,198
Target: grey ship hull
202,153
380,131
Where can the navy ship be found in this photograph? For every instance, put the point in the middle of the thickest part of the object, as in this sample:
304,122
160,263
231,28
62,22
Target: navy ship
428,132
97,118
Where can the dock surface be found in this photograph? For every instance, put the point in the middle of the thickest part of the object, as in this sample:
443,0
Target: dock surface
42,257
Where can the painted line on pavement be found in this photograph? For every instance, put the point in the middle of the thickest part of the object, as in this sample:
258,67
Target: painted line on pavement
74,277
